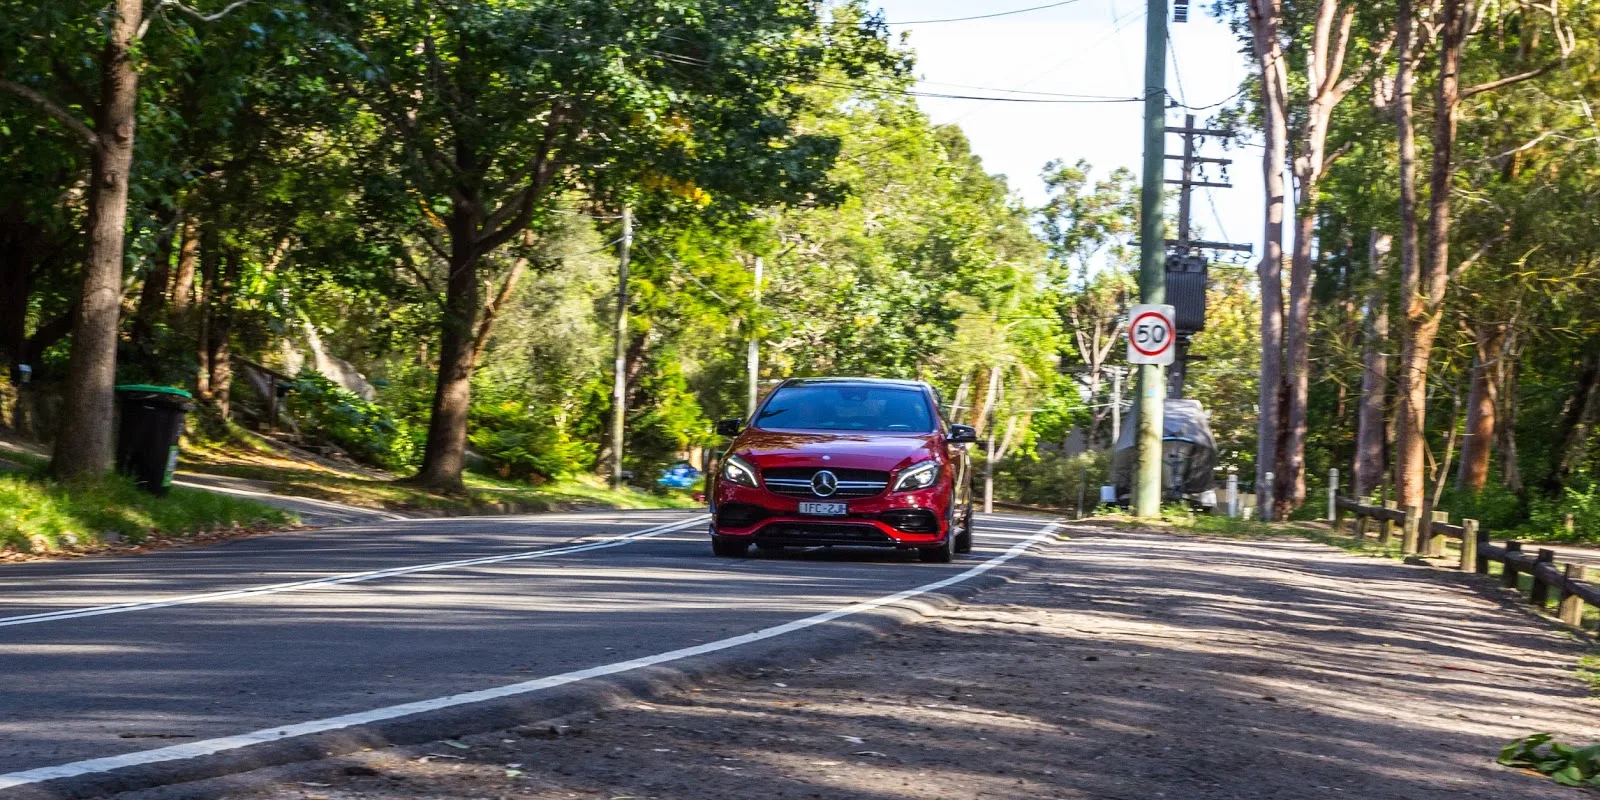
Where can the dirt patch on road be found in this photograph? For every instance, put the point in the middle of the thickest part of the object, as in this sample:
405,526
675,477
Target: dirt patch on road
1131,666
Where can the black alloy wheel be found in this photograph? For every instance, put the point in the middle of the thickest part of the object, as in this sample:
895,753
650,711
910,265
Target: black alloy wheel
944,553
964,538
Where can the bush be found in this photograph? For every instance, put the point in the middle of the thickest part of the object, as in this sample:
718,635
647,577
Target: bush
1050,479
365,430
516,441
1496,508
1548,519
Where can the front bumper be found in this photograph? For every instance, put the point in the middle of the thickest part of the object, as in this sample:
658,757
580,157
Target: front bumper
903,519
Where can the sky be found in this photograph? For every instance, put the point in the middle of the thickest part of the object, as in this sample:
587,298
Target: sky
1087,47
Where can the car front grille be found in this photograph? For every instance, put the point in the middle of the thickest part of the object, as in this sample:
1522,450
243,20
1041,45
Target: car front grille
796,482
812,533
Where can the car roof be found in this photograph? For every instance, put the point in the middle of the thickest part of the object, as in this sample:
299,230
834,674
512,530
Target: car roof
907,384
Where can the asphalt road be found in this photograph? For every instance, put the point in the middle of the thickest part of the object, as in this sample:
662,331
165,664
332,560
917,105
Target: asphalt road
110,657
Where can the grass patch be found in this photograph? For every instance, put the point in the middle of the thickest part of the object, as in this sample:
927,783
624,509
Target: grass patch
1589,672
483,493
1178,520
38,514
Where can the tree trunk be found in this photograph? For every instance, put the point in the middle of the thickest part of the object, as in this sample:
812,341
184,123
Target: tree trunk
1264,35
188,257
1291,462
1412,385
445,456
1572,429
16,286
1449,450
1510,466
1477,444
219,330
981,414
153,294
206,290
1370,451
92,366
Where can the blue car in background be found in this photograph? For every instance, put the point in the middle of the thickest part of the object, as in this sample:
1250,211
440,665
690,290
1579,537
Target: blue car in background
679,476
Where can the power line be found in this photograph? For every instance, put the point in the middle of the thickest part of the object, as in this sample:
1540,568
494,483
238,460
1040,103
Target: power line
1177,72
896,142
946,96
1224,101
984,16
1011,91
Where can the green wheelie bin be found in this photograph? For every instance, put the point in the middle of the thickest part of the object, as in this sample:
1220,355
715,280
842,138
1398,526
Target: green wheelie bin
147,441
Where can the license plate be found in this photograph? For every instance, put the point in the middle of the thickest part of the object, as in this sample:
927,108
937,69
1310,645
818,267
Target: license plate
823,509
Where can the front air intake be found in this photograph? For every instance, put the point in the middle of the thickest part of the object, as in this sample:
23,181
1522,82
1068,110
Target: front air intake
911,520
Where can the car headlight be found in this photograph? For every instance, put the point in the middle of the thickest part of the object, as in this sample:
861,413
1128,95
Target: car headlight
918,476
738,470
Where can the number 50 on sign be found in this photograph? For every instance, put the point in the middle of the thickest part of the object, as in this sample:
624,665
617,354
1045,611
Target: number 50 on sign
1150,335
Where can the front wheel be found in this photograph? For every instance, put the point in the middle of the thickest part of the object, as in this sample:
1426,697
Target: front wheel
964,538
943,554
729,548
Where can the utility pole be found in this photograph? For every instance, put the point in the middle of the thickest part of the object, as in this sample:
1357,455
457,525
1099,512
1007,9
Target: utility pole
1152,259
1186,268
752,356
619,386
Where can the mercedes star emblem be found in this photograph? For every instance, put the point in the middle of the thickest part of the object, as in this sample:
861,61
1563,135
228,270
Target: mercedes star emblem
824,483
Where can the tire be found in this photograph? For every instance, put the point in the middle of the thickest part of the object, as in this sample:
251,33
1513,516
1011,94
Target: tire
964,538
943,554
728,548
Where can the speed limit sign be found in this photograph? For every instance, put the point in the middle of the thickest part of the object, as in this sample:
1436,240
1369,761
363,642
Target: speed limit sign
1150,335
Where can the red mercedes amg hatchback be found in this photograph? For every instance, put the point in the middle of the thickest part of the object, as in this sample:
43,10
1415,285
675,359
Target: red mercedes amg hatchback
845,461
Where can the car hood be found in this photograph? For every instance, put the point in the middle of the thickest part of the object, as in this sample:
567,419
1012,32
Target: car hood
885,452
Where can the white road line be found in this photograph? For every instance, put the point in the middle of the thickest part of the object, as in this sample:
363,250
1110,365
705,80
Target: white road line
352,577
212,746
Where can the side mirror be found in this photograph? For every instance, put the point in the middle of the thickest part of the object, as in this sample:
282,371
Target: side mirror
729,427
962,434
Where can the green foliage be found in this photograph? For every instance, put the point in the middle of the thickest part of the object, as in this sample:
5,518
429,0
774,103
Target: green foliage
1567,765
1497,509
1052,481
38,514
1548,517
519,440
365,430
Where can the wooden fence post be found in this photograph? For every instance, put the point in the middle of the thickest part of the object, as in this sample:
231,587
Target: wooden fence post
1469,545
1435,541
1540,596
1508,576
1572,604
1482,542
1408,540
1386,528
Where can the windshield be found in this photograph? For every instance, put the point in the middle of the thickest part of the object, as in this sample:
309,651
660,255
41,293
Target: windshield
845,407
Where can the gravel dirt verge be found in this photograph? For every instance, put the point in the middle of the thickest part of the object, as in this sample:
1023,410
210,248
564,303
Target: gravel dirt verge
1124,665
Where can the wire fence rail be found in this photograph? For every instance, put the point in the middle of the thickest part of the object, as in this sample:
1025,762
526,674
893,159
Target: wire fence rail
1426,533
